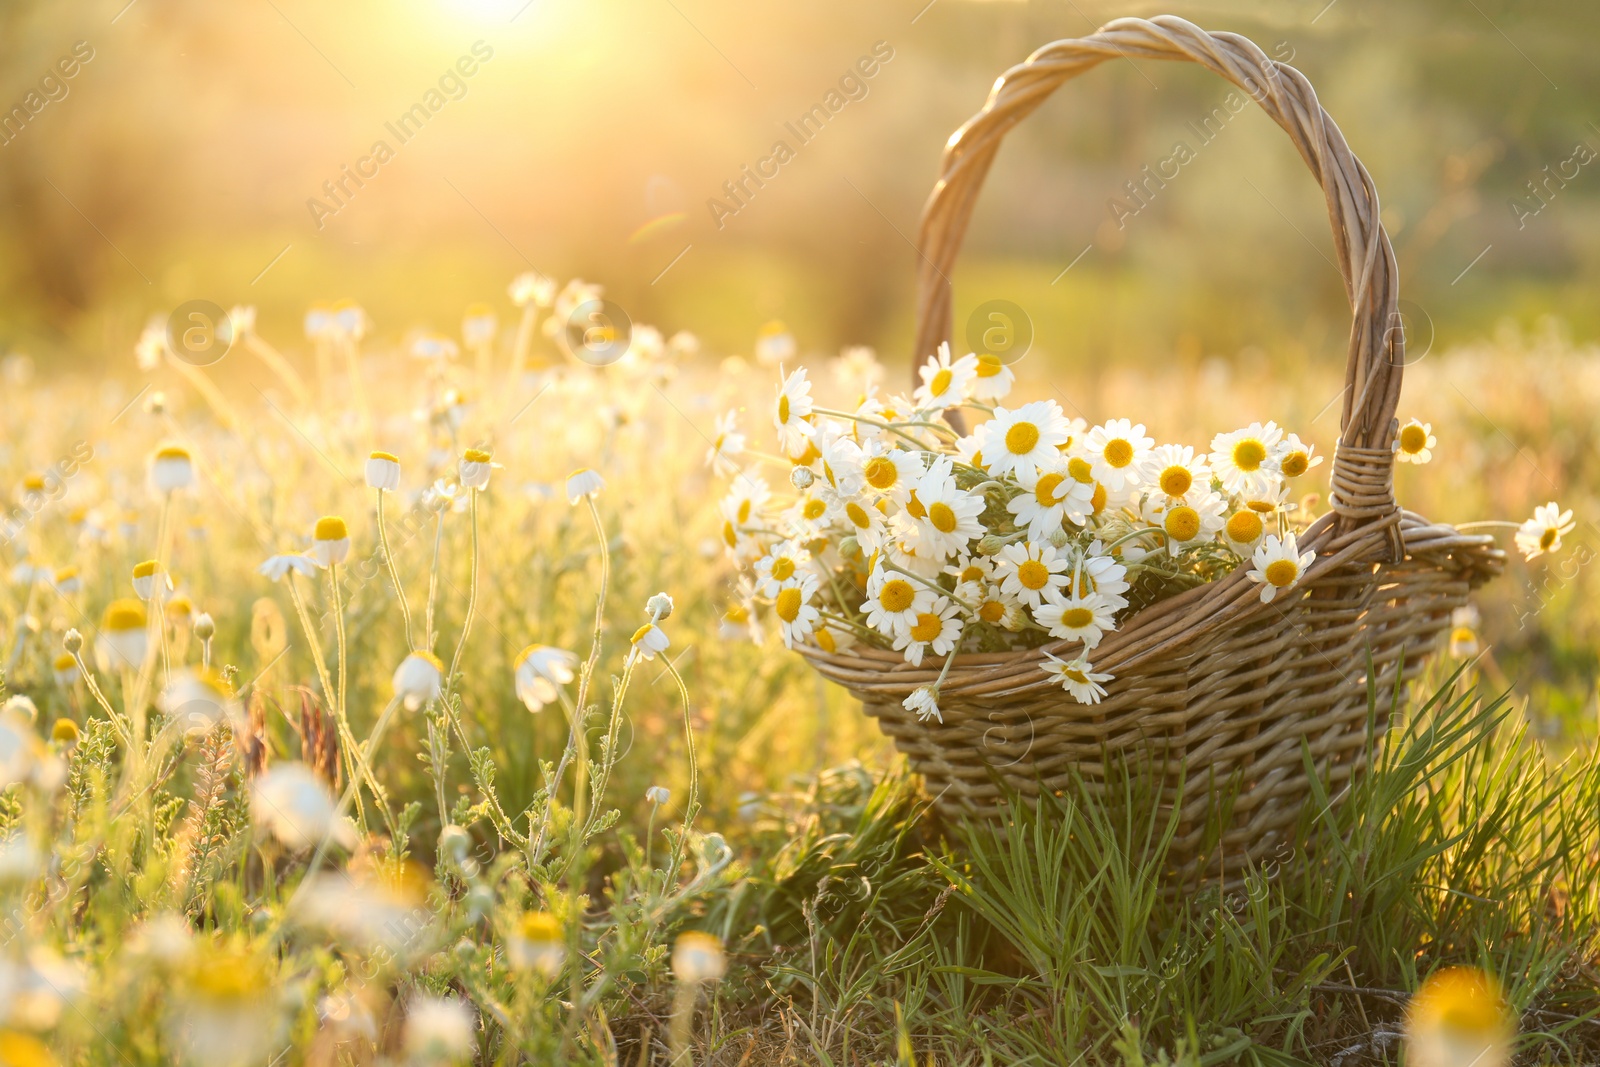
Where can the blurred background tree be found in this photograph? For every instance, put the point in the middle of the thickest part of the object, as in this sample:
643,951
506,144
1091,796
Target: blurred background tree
180,162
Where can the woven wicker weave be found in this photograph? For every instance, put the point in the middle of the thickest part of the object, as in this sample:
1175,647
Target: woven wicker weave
1211,685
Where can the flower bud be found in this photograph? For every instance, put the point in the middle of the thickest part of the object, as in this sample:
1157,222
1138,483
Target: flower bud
801,477
205,628
990,544
72,641
659,607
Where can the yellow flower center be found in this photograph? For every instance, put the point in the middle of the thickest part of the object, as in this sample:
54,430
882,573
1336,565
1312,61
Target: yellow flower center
973,573
783,408
825,641
813,508
385,455
476,455
1548,539
145,569
1249,454
1176,481
1033,574
1080,470
788,606
992,611
729,534
539,926
783,568
1118,453
1075,675
1462,635
331,528
1262,507
1098,501
172,452
1022,438
940,383
1413,439
1244,526
737,614
1077,618
942,516
744,509
1182,524
1282,572
638,635
914,507
881,472
858,515
124,615
809,456
1044,490
989,365
927,628
1295,464
896,595
64,730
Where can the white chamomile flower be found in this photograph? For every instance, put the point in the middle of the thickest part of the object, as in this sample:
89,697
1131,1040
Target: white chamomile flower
727,444
1189,521
890,471
292,804
151,581
541,671
383,471
938,628
1051,496
439,1030
944,382
863,520
741,508
1115,451
1279,565
1243,460
67,580
419,679
778,566
171,469
1032,571
647,641
475,466
330,541
805,515
969,449
894,602
1243,531
992,380
1415,442
971,571
276,567
832,637
950,519
841,463
1028,436
583,482
1096,572
1077,677
1173,471
1294,457
1083,618
924,703
791,413
792,605
1543,532
531,287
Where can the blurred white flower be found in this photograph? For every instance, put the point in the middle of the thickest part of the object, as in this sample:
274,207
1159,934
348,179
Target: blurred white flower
419,679
439,1030
292,804
541,671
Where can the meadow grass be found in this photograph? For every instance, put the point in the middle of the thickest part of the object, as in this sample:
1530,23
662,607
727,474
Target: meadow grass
511,886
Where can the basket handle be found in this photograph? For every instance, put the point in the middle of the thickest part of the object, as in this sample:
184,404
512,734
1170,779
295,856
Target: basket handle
1362,482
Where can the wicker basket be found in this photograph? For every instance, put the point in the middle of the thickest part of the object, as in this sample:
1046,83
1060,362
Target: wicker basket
1211,686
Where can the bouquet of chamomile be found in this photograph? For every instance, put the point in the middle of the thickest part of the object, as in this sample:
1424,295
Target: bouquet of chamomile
1033,529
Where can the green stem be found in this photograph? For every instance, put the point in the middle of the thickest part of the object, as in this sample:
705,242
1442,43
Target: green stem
394,574
472,590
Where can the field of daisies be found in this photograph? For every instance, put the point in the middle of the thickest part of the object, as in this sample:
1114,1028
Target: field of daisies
385,696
